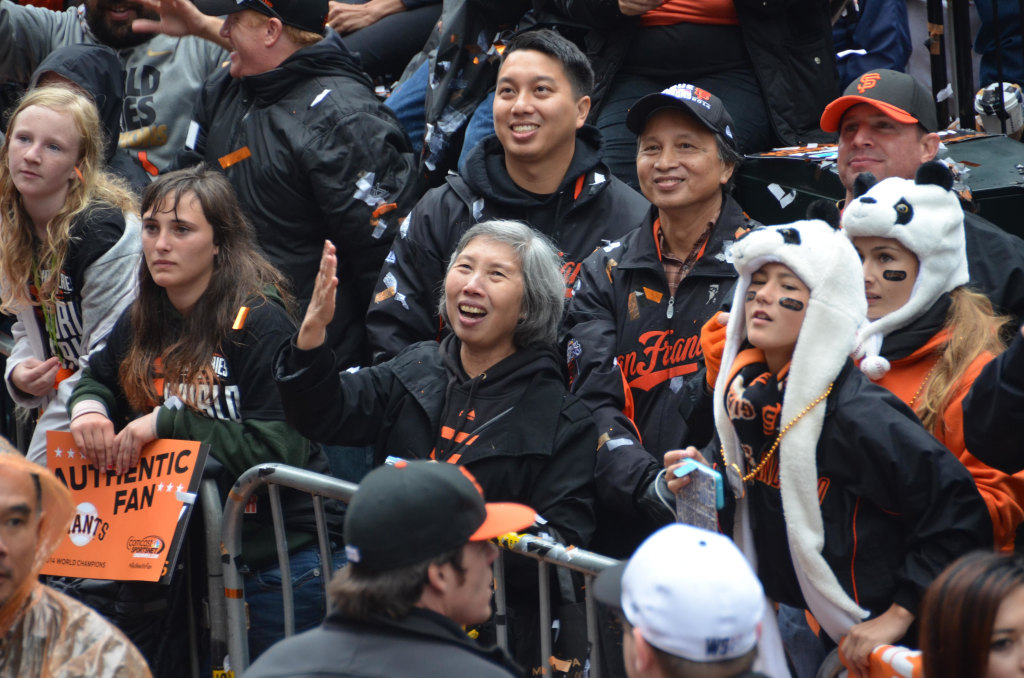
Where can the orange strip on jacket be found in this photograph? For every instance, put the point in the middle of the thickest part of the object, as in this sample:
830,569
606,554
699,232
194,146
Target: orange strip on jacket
243,313
147,165
234,157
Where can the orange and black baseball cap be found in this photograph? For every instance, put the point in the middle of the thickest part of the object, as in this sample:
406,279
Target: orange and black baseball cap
896,94
416,510
306,15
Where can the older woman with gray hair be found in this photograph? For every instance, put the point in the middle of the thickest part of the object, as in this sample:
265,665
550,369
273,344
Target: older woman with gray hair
490,396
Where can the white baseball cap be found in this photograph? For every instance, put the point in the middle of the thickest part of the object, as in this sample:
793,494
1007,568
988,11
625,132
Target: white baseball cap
690,592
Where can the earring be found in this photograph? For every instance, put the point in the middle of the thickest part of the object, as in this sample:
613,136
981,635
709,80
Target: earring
79,173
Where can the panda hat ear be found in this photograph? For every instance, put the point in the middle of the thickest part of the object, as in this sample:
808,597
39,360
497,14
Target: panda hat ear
863,182
826,211
934,172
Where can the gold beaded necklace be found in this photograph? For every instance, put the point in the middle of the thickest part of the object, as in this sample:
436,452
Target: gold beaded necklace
920,388
748,479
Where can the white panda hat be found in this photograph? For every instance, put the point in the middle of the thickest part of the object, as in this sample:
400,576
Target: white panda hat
826,262
925,216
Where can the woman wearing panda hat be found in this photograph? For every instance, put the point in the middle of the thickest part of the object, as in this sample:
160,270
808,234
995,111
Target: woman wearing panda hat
929,336
845,504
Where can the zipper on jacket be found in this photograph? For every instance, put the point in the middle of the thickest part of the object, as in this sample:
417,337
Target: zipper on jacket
671,310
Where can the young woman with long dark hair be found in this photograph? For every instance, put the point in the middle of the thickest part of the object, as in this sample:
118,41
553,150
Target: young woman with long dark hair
191,360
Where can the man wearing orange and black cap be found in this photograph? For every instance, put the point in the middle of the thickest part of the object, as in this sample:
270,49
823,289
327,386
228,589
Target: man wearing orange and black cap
887,126
418,541
312,154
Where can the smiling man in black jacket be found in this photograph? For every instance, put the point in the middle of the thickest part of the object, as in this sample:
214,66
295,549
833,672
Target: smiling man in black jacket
312,154
542,167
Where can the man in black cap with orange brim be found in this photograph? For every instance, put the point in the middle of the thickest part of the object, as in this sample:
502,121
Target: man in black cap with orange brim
418,541
887,126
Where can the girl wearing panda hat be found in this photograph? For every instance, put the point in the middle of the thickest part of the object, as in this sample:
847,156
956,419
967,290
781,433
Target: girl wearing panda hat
844,503
929,336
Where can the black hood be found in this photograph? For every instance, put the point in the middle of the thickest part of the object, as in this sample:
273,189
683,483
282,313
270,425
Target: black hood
97,70
903,341
330,56
485,171
507,376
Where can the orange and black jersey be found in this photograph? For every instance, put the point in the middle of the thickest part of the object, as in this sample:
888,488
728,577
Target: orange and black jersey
240,416
633,348
897,506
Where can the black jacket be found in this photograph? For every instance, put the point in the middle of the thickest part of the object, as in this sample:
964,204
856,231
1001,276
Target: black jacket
995,260
897,506
589,209
994,411
790,48
631,347
97,70
422,645
241,418
537,449
312,154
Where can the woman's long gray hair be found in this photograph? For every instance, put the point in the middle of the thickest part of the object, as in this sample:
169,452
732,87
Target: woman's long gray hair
543,282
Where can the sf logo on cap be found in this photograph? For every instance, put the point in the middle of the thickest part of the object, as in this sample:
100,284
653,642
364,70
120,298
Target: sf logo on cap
867,81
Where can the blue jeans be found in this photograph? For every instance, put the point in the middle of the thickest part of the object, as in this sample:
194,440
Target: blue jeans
803,647
480,125
266,604
409,104
349,463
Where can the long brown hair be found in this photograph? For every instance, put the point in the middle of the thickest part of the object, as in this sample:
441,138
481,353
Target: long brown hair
19,248
974,329
241,277
959,610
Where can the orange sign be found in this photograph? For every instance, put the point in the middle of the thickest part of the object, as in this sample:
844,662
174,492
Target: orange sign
127,527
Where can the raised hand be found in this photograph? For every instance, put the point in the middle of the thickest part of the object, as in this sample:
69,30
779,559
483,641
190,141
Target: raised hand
320,311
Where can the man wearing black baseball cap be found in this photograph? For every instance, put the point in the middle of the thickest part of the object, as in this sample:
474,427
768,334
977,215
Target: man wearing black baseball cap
887,126
418,540
633,322
309,149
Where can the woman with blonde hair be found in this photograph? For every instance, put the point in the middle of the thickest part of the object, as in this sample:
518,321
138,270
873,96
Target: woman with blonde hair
928,335
69,248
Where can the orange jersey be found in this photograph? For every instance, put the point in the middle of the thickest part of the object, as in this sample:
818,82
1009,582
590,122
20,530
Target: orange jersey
722,12
1003,493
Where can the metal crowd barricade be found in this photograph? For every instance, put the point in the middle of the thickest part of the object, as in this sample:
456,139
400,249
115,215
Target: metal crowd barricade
548,553
274,476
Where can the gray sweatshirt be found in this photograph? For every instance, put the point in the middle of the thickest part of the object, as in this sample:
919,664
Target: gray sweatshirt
162,75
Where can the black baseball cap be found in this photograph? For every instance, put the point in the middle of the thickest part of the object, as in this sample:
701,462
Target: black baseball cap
699,103
306,15
896,94
415,510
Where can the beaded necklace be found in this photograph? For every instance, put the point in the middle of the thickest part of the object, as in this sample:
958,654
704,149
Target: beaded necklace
749,478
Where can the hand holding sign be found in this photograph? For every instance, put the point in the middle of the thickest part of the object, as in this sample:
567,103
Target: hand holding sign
94,438
130,440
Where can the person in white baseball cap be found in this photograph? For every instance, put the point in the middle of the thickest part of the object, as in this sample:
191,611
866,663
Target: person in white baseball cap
691,606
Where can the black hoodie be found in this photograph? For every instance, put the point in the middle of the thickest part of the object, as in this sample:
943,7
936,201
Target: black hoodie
590,208
515,427
97,70
312,154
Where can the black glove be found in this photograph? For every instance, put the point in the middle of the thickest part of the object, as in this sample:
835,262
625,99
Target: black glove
656,501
